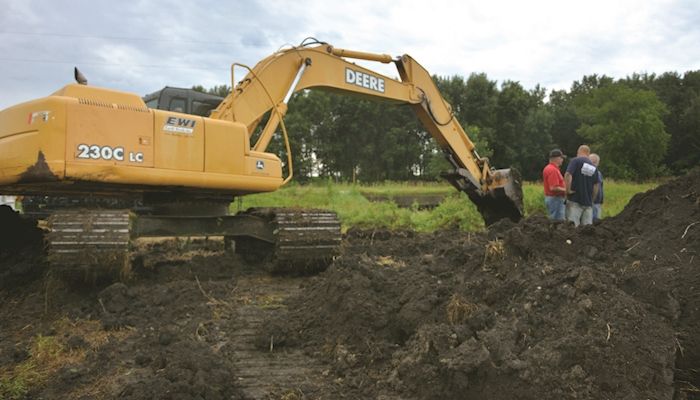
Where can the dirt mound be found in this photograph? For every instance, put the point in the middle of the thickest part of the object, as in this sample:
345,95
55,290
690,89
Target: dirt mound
533,310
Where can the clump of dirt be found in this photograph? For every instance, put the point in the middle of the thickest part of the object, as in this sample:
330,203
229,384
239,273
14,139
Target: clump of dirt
528,310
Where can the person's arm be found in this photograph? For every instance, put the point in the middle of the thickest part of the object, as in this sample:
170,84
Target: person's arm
596,187
557,189
567,181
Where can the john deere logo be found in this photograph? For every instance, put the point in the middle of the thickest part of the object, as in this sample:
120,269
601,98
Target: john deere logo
364,80
260,164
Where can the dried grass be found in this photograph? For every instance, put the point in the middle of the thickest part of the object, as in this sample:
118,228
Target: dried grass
459,309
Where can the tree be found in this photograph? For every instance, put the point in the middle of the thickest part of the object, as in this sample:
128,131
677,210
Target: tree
367,140
565,122
307,111
479,108
452,89
681,94
626,121
474,104
522,133
589,83
218,90
535,142
626,127
686,145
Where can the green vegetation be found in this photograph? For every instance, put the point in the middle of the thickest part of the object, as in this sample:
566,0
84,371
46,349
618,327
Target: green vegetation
44,353
455,210
406,188
49,354
636,117
13,388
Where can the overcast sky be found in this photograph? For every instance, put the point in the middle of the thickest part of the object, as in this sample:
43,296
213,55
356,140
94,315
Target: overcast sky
141,46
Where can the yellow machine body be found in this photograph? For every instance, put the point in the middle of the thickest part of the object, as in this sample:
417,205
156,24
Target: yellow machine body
107,141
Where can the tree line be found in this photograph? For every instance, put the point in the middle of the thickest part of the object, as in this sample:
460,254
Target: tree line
643,126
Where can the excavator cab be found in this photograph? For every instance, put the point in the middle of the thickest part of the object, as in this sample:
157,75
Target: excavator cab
182,100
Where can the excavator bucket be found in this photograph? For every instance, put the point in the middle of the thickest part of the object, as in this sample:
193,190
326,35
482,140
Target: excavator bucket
504,198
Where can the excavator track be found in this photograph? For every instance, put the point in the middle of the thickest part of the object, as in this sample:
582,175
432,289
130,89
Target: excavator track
89,245
272,372
306,240
94,244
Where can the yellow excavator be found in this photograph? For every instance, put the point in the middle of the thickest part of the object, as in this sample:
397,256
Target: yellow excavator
110,151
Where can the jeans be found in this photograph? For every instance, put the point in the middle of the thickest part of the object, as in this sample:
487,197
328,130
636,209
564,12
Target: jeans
578,214
597,211
555,207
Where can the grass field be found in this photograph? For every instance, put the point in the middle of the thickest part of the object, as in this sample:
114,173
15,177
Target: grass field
455,210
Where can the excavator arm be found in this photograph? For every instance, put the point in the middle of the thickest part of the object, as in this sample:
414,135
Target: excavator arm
270,84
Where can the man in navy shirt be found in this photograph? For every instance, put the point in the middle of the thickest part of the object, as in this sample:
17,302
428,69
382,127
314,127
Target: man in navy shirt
582,186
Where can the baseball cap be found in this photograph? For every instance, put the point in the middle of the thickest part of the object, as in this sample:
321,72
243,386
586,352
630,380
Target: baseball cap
556,153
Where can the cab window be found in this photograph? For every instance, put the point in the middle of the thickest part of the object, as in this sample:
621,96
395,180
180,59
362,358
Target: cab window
152,103
200,108
178,105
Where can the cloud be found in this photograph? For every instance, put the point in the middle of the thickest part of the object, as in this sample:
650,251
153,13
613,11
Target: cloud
140,46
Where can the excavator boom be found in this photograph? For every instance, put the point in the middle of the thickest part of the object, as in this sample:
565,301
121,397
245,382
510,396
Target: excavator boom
269,85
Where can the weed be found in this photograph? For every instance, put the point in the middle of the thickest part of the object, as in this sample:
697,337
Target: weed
48,354
459,310
495,250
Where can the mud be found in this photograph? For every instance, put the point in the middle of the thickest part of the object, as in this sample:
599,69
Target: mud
39,172
534,310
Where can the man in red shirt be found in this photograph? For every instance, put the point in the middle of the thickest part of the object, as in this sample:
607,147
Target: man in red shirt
554,187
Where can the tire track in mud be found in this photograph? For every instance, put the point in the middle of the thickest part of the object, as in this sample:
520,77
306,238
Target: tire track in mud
261,368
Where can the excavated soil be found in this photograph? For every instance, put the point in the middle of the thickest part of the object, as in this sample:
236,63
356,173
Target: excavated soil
534,310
